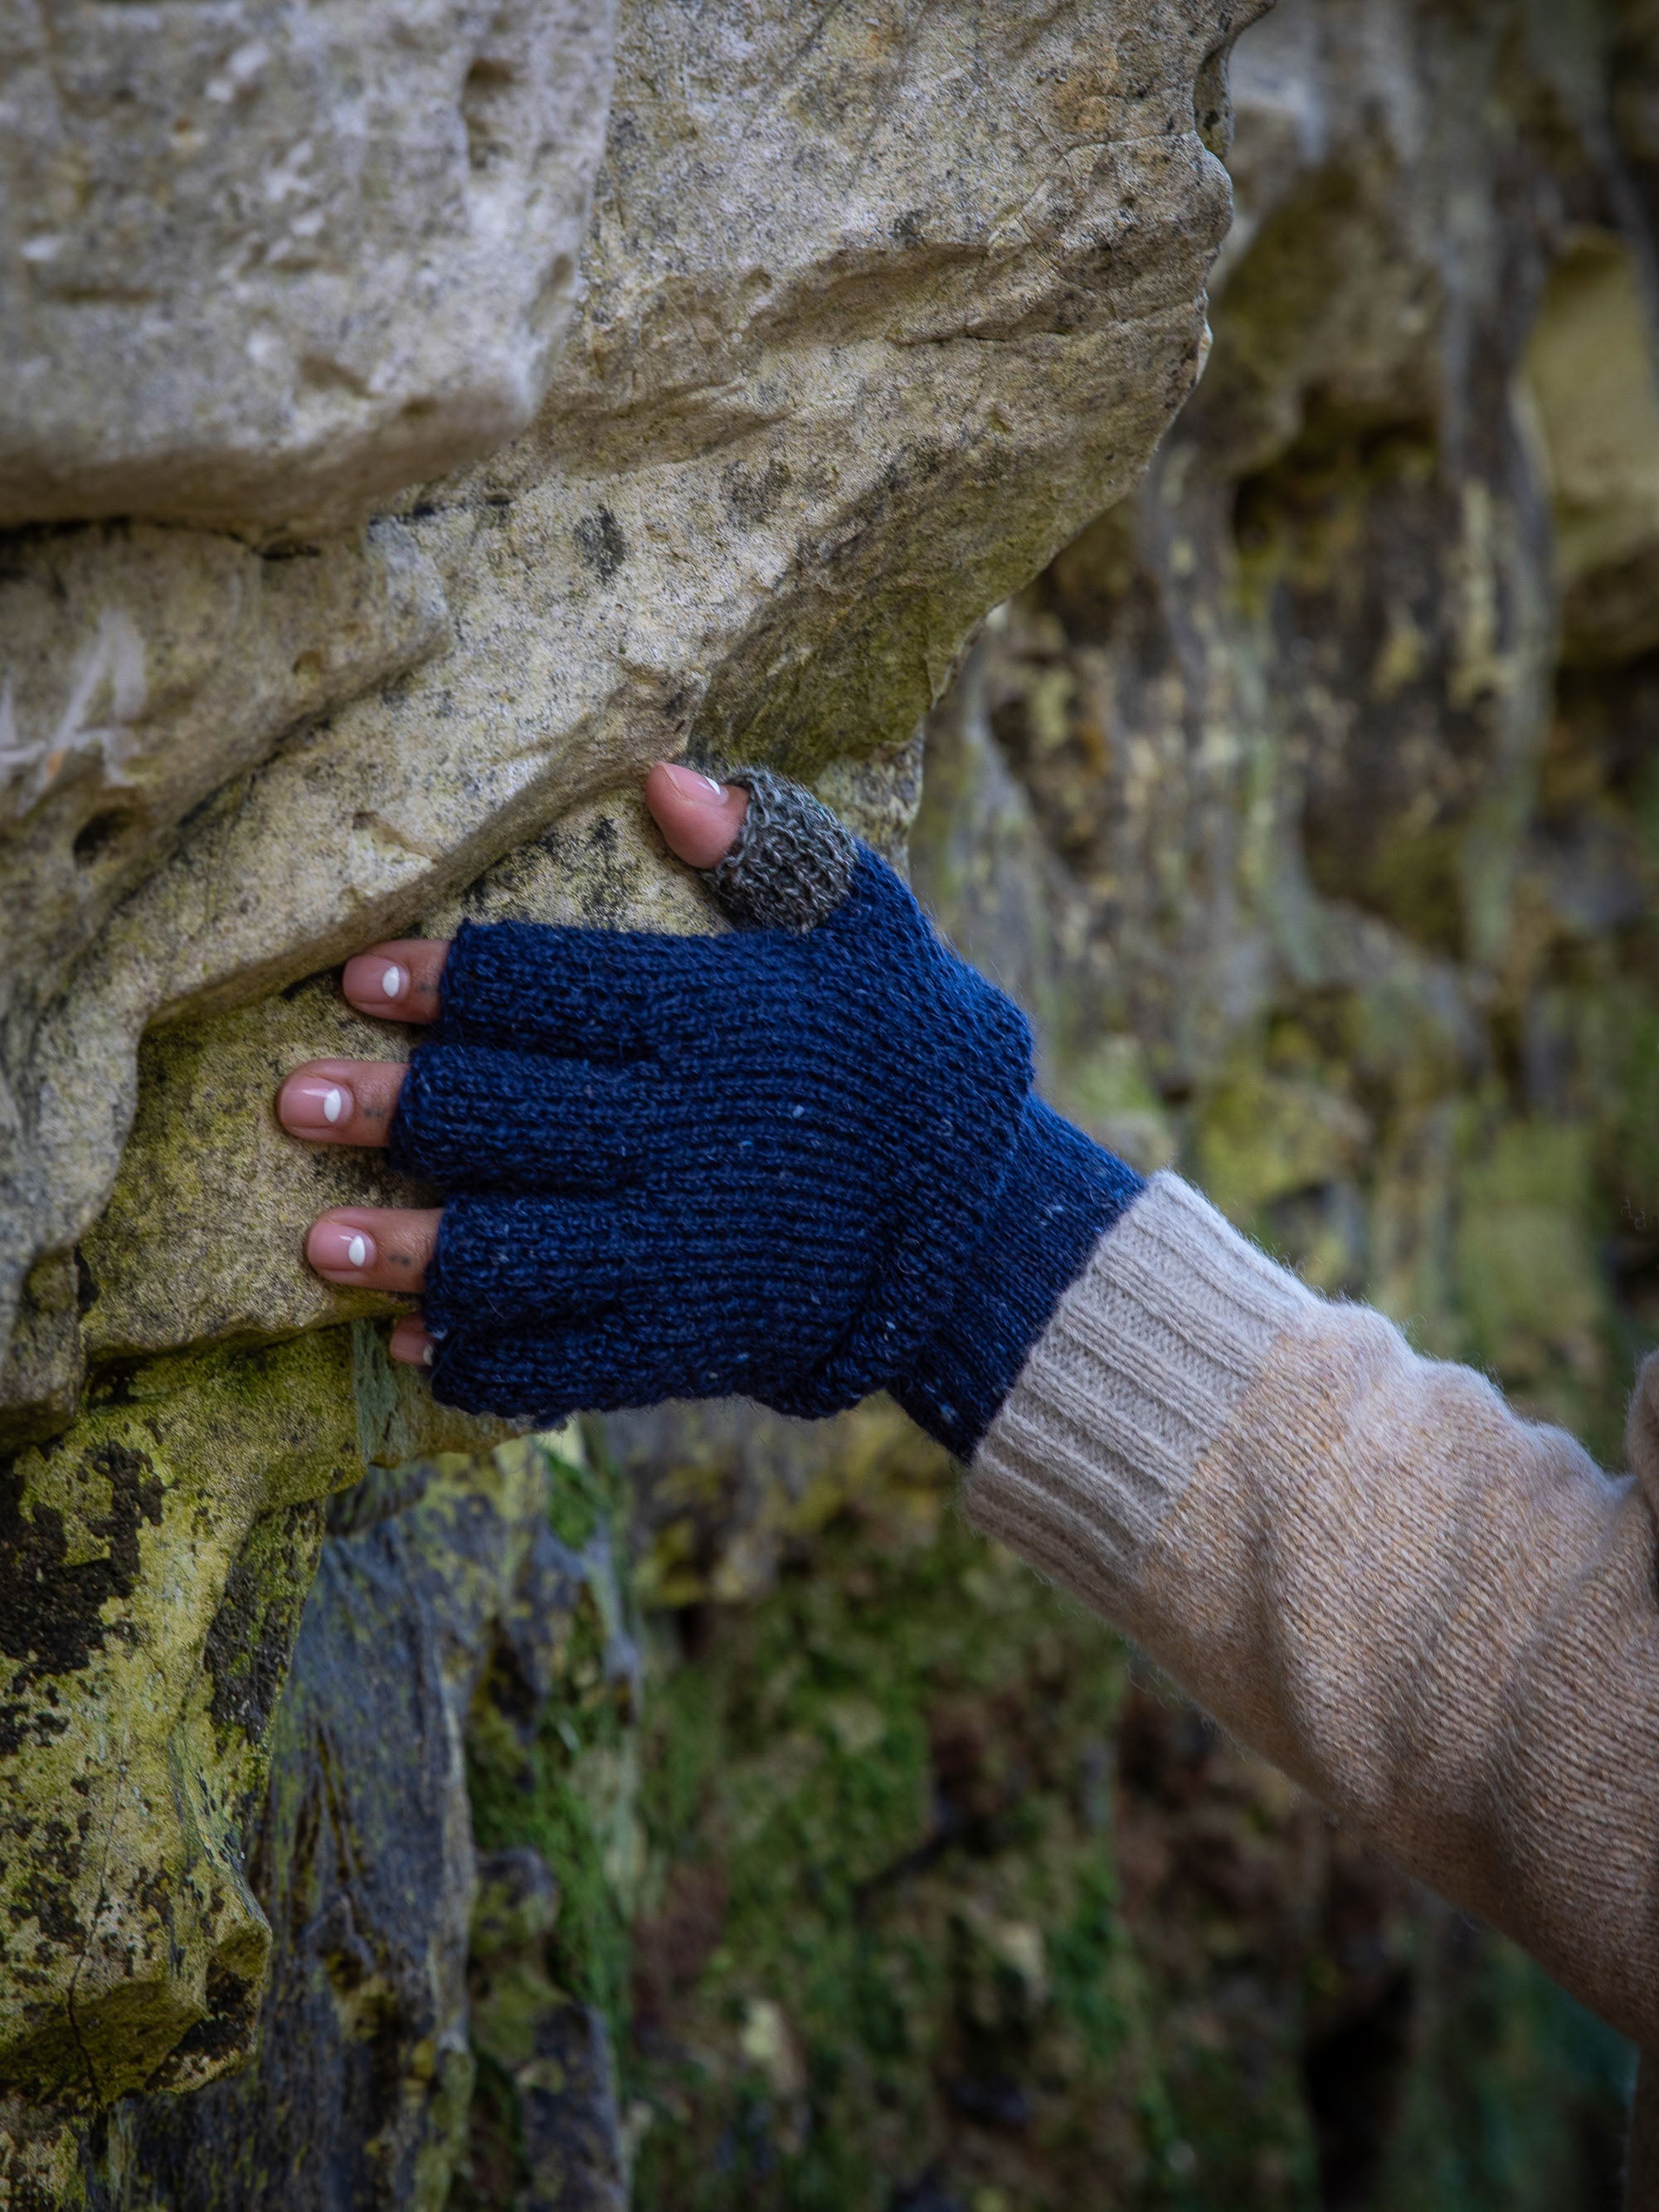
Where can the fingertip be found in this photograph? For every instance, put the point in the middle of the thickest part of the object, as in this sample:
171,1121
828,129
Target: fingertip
398,980
699,818
316,1102
374,1248
411,1343
341,1102
341,1247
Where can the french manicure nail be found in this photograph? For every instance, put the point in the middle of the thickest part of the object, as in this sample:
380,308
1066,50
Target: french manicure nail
313,1103
337,1249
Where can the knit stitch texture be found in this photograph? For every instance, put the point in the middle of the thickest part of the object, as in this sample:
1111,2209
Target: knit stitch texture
794,1164
791,863
1061,1192
1439,1618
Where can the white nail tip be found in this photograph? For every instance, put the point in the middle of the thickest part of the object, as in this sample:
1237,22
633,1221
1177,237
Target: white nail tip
428,1355
718,789
334,1105
392,982
357,1251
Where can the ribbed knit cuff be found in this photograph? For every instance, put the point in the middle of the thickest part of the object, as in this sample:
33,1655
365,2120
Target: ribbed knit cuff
1147,1354
1060,1192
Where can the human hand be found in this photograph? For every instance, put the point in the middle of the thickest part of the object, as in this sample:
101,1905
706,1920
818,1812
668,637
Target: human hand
799,1162
352,1102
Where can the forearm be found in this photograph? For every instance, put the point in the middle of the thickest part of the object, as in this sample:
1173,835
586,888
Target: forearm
1440,1618
803,1161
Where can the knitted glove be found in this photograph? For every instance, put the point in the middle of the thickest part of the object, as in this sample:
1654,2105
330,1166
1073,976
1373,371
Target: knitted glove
799,1162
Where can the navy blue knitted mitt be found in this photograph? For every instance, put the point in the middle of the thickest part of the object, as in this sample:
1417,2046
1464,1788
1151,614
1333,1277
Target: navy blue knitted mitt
799,1163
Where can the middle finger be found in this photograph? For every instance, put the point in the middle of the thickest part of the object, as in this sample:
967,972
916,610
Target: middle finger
341,1102
374,1248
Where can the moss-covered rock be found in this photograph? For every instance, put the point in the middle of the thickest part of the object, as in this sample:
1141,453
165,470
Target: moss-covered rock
442,1592
699,1815
157,1557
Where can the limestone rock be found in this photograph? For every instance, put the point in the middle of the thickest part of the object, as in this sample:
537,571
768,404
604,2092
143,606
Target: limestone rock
566,2076
143,668
263,269
802,437
876,312
207,1152
153,1562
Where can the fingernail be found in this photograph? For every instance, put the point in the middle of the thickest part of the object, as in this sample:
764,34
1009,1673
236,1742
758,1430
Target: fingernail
337,1248
428,1353
366,977
691,783
313,1102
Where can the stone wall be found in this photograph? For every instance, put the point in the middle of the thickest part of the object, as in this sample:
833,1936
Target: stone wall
415,423
685,1810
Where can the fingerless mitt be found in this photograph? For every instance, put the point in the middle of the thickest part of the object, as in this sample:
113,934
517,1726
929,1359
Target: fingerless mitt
796,1163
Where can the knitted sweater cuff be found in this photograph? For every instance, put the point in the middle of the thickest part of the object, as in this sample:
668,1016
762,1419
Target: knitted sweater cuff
1060,1194
1147,1354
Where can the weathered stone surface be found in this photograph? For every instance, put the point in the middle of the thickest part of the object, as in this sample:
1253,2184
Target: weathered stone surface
206,1152
551,2052
263,269
156,1560
802,437
1261,799
430,1590
1590,372
566,2079
143,667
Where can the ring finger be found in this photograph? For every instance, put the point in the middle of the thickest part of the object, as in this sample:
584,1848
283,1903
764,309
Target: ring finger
341,1102
374,1248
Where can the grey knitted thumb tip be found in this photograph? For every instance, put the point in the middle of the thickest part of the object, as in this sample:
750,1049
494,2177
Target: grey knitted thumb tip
792,862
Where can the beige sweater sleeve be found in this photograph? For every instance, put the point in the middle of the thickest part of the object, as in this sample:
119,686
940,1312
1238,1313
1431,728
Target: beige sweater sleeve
1441,1619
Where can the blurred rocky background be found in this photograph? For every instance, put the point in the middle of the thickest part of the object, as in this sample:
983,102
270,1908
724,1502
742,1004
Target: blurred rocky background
684,1812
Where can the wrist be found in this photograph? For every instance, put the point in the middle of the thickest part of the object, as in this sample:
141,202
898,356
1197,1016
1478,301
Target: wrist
1061,1195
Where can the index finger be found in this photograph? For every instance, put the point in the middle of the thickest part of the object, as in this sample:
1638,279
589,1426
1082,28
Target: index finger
399,980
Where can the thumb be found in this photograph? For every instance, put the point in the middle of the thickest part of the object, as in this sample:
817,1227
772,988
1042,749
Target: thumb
774,856
699,817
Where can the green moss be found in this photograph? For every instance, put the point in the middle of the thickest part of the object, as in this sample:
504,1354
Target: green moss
1259,1136
1516,2102
582,1501
166,1541
874,1809
1628,1103
1084,1958
1530,1283
568,1790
